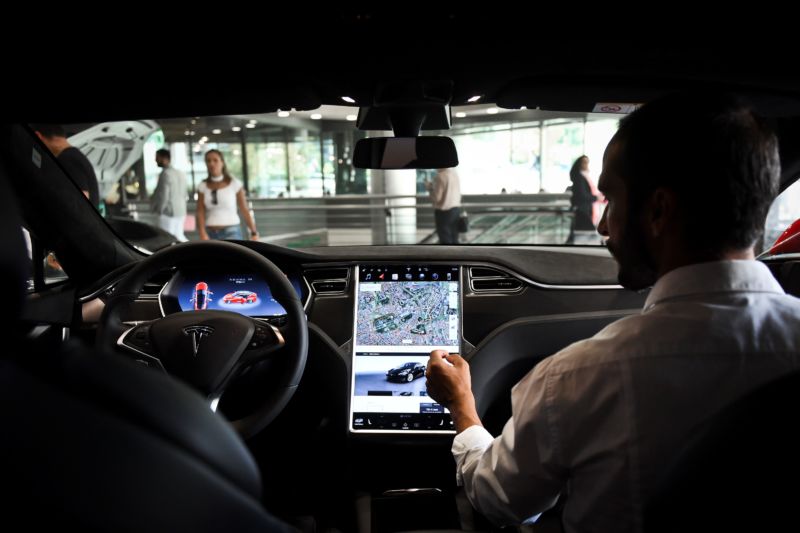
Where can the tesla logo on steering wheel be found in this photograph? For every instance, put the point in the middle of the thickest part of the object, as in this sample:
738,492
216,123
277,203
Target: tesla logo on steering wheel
197,333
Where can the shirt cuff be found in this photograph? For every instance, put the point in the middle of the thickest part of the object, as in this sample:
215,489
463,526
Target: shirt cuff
468,446
472,437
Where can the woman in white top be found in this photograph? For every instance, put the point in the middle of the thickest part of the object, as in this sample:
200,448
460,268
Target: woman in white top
219,196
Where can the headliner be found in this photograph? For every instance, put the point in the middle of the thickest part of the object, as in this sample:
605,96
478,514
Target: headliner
313,61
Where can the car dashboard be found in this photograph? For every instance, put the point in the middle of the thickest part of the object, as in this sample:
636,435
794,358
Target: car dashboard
517,306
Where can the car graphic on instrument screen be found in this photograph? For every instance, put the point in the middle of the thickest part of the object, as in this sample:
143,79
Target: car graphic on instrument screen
201,296
406,372
240,297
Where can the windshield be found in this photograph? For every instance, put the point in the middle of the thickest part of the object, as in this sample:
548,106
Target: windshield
524,177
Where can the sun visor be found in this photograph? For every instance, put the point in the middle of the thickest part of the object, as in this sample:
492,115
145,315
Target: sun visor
623,96
91,105
576,95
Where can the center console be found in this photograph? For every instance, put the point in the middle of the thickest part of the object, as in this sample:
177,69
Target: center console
399,434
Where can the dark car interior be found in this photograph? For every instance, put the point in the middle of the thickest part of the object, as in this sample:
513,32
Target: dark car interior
113,424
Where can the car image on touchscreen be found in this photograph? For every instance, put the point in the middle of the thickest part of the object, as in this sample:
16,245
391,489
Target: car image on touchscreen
407,372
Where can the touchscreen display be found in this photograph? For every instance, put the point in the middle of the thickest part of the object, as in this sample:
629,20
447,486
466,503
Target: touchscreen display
402,313
245,294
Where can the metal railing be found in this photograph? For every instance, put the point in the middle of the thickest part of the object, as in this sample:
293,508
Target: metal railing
390,219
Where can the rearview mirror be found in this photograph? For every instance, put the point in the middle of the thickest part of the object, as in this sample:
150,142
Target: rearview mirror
405,152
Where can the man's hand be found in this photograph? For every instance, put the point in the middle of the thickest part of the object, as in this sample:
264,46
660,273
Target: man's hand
449,384
448,376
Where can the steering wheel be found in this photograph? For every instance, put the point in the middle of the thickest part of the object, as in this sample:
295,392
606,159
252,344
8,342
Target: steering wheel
208,348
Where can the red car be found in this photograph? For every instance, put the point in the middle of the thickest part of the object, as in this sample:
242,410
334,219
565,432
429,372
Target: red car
789,240
201,296
240,297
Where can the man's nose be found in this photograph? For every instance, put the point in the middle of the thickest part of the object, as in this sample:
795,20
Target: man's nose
602,226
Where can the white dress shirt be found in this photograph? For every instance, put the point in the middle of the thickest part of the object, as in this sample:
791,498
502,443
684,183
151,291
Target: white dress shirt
446,193
598,420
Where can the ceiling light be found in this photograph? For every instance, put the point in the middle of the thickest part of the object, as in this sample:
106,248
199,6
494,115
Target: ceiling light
237,128
492,111
283,114
524,107
348,100
250,126
194,121
351,118
186,133
474,98
461,114
253,121
316,116
216,131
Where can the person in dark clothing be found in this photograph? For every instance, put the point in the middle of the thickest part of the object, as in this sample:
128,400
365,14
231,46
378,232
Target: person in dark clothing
76,164
582,197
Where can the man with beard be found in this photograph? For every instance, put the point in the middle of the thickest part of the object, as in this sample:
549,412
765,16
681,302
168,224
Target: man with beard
689,180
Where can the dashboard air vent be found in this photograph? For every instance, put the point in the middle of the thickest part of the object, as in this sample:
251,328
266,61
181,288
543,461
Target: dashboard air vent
328,287
151,289
496,285
484,272
489,280
328,280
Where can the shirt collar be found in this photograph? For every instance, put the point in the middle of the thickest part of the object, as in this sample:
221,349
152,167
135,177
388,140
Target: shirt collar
713,277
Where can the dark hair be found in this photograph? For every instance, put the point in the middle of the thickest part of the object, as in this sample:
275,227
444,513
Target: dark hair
163,152
49,130
576,166
715,153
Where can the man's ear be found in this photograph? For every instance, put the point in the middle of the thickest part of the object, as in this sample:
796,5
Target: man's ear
663,206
